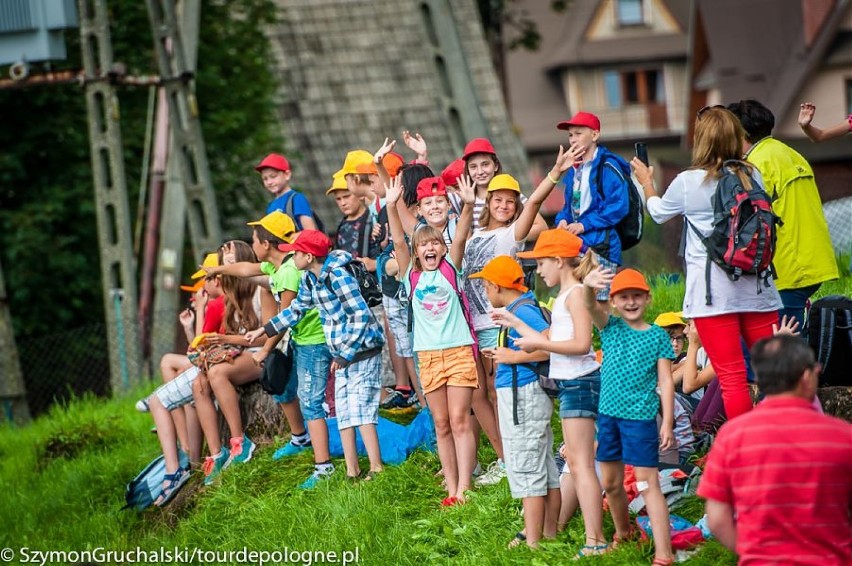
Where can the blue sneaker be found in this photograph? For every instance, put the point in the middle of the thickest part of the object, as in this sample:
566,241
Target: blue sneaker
212,467
290,449
316,477
241,450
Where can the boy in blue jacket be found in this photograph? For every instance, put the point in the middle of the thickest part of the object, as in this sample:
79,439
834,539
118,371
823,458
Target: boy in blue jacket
596,192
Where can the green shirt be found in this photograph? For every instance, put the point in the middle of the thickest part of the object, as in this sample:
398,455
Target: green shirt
629,369
308,331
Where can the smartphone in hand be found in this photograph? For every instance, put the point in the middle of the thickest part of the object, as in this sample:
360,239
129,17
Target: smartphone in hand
642,152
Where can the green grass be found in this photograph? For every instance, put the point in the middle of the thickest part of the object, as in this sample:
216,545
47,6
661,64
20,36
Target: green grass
64,478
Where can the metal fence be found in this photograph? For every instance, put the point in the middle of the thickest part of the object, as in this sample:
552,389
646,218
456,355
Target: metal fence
75,362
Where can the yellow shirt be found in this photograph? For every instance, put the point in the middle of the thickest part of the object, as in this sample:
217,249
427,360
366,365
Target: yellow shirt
803,252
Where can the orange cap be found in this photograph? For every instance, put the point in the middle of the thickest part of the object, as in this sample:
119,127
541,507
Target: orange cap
193,288
393,162
555,243
628,279
503,271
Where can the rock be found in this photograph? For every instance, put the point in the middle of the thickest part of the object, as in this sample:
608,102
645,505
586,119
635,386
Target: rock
836,401
263,419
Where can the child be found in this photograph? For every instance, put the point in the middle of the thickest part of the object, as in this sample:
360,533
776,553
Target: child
675,327
506,223
524,408
442,339
637,361
275,173
482,165
353,335
560,261
312,358
595,191
246,307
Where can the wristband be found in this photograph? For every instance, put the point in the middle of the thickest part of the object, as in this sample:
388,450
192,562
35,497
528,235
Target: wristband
551,179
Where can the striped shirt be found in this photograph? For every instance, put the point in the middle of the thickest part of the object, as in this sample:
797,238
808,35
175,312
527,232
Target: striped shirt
787,472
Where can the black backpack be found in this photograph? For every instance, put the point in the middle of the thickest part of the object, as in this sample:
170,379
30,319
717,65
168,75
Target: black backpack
542,369
288,210
830,336
278,370
629,228
743,238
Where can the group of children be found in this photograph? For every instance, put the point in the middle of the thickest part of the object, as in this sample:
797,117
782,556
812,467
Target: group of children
442,248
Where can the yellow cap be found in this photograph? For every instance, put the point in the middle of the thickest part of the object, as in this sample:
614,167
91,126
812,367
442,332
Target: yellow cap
278,224
670,319
211,260
338,183
504,182
355,160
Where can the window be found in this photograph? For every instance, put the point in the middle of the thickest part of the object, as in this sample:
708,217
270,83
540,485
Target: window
629,12
634,87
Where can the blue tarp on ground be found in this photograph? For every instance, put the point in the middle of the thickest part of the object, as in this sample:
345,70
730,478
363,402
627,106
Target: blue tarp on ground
396,441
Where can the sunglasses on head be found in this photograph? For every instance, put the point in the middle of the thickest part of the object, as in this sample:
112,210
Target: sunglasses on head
706,108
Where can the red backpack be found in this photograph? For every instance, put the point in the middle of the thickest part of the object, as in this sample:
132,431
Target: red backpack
451,275
743,238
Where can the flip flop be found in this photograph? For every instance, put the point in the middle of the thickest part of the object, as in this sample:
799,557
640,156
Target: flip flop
591,550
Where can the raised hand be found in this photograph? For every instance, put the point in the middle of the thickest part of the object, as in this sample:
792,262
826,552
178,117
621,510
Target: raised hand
186,317
229,253
806,113
467,190
387,147
575,154
598,279
644,173
788,326
393,190
563,162
415,143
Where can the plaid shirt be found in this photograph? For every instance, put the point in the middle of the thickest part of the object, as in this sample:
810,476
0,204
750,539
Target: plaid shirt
347,321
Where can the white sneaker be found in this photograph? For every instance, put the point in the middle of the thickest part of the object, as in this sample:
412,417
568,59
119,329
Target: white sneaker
495,472
477,471
142,405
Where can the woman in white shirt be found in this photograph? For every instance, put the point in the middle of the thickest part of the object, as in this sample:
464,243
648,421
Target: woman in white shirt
742,310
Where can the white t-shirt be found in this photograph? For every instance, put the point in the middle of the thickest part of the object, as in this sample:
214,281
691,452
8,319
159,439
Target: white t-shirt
690,195
481,248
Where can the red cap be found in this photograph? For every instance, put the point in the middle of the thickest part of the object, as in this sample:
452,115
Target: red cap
478,145
581,119
452,172
274,161
310,242
431,187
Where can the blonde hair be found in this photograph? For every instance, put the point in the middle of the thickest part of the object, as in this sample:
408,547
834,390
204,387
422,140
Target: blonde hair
485,216
581,265
424,233
718,138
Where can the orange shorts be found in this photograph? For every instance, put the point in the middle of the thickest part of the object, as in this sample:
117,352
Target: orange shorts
453,366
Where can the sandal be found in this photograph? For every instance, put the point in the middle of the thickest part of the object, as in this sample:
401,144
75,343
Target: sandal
371,475
662,562
519,539
591,550
173,483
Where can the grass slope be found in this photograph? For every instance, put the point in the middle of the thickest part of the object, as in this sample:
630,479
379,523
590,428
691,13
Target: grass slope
64,478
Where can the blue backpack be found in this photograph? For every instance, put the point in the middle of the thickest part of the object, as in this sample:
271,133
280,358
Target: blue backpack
142,490
629,228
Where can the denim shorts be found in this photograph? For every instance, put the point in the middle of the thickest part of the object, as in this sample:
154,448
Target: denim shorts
633,442
487,337
578,398
397,314
313,363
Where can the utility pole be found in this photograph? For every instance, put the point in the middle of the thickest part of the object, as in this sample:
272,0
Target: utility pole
12,394
118,273
173,215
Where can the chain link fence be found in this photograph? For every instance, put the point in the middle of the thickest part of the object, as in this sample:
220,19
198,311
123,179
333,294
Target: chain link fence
75,362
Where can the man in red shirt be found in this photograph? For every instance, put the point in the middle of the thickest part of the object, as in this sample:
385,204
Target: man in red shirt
778,481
